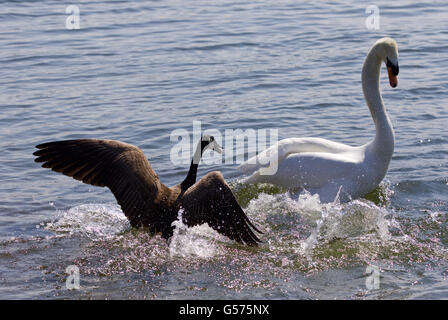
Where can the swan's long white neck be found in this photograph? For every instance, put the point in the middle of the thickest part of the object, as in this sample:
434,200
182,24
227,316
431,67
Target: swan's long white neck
383,144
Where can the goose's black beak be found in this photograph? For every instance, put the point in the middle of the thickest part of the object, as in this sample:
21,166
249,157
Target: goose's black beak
392,70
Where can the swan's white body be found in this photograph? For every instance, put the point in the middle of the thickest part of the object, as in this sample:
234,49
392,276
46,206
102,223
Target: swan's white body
332,169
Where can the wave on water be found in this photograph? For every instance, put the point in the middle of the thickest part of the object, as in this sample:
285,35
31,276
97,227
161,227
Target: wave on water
198,241
102,222
304,220
300,234
315,223
95,221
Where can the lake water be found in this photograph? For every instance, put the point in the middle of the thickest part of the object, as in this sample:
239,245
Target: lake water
137,70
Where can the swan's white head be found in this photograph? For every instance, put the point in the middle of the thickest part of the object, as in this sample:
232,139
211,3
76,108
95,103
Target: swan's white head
387,50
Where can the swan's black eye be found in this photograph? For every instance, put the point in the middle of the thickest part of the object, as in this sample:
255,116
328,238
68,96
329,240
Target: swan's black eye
212,138
394,67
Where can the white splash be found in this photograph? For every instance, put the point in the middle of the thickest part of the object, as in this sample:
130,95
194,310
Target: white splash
195,242
307,205
328,221
96,221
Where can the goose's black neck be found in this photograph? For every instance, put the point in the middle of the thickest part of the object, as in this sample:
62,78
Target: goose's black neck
191,176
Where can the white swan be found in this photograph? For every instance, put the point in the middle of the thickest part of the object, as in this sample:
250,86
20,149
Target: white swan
332,169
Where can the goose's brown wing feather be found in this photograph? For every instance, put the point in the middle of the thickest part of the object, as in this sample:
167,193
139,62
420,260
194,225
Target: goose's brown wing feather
121,167
211,201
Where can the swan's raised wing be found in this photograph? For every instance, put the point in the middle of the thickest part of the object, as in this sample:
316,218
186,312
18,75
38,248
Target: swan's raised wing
274,155
121,167
211,201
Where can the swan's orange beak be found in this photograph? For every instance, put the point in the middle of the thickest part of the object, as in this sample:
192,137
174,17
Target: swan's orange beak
393,80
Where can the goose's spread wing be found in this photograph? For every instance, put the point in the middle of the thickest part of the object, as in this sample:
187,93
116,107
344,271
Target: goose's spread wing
211,201
121,167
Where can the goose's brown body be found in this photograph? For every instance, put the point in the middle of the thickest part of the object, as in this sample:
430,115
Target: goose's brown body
145,201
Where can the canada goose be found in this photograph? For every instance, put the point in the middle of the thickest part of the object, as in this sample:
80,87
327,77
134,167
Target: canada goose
145,201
